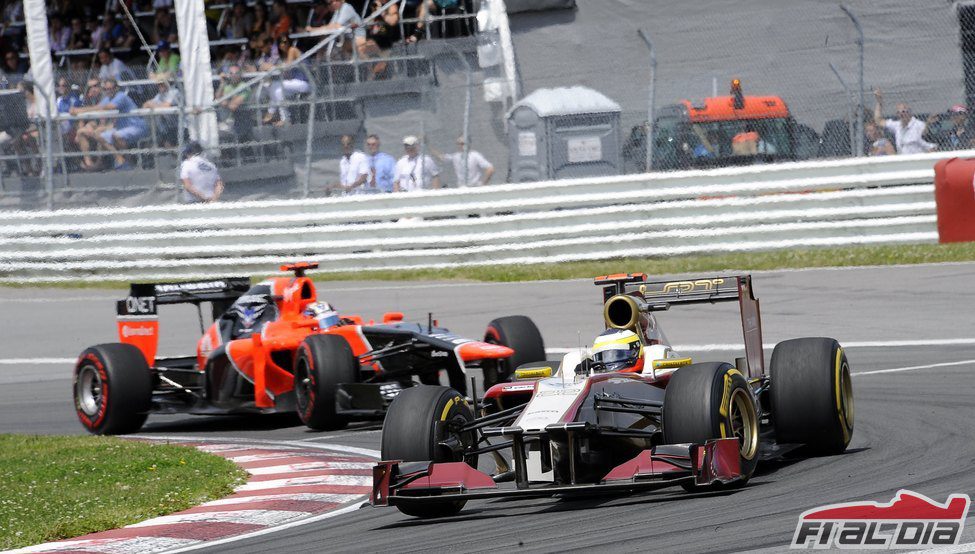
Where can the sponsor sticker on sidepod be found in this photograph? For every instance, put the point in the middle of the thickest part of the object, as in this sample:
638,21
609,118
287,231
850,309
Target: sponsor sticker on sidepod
909,520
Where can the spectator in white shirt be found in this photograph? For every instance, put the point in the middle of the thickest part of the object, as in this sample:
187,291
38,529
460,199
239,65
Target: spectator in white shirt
353,168
201,181
415,171
908,130
479,170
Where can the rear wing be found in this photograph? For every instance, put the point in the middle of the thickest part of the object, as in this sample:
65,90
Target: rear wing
661,295
138,320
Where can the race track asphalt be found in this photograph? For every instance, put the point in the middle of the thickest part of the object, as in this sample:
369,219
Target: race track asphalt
913,427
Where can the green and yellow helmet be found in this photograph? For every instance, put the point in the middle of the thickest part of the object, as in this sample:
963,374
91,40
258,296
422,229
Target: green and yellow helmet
617,350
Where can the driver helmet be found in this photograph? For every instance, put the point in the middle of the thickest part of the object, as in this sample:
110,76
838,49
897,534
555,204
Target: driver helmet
324,313
617,350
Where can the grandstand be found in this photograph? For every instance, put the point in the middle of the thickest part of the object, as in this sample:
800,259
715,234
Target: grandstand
408,68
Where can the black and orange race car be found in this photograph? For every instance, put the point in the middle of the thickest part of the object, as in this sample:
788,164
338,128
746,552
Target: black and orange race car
274,347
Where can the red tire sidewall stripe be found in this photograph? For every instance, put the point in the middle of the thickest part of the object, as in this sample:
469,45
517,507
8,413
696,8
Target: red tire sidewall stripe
103,405
310,360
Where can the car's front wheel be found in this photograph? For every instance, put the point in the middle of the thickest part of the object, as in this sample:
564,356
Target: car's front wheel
422,425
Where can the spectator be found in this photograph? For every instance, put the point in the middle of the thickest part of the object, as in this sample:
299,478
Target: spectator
908,130
320,14
167,60
201,180
879,144
415,171
105,33
111,67
126,36
112,137
280,19
343,15
58,35
80,36
957,136
353,167
232,108
25,143
293,82
240,22
166,97
479,170
382,166
164,25
267,55
260,26
385,30
67,98
13,67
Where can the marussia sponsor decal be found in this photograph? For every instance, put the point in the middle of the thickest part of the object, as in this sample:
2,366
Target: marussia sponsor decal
165,288
129,331
910,520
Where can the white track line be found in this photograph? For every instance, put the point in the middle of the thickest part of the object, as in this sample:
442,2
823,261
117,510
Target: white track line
912,368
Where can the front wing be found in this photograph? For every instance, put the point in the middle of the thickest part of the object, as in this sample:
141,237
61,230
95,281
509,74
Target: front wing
406,483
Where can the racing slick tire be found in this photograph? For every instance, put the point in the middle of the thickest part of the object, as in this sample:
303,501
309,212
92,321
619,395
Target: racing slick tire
414,429
811,394
518,333
112,389
709,401
322,363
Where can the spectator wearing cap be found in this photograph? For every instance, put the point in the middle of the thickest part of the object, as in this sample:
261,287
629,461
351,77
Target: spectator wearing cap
908,130
415,171
201,180
382,166
479,170
353,167
955,135
167,61
166,96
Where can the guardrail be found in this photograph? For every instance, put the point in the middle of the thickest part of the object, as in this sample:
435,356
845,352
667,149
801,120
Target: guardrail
853,201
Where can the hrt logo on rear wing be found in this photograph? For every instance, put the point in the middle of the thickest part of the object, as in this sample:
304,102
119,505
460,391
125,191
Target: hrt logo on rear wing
910,520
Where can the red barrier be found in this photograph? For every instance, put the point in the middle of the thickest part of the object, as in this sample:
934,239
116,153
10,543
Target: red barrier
954,194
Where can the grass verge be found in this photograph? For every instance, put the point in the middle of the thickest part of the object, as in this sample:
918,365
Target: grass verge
55,488
741,261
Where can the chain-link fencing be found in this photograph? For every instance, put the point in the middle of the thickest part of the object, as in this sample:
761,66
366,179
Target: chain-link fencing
476,99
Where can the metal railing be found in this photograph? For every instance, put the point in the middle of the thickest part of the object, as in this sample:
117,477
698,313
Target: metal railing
856,201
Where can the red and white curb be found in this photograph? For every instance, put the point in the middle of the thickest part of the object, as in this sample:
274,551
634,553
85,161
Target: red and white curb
291,483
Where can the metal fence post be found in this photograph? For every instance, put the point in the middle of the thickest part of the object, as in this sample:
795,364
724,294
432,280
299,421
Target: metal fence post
862,106
311,131
653,72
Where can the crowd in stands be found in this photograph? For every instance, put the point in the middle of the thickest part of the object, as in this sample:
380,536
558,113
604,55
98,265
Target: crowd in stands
99,56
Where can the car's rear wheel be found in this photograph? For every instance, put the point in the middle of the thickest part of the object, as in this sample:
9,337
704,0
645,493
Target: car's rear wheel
322,363
812,394
712,401
112,389
518,333
422,425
